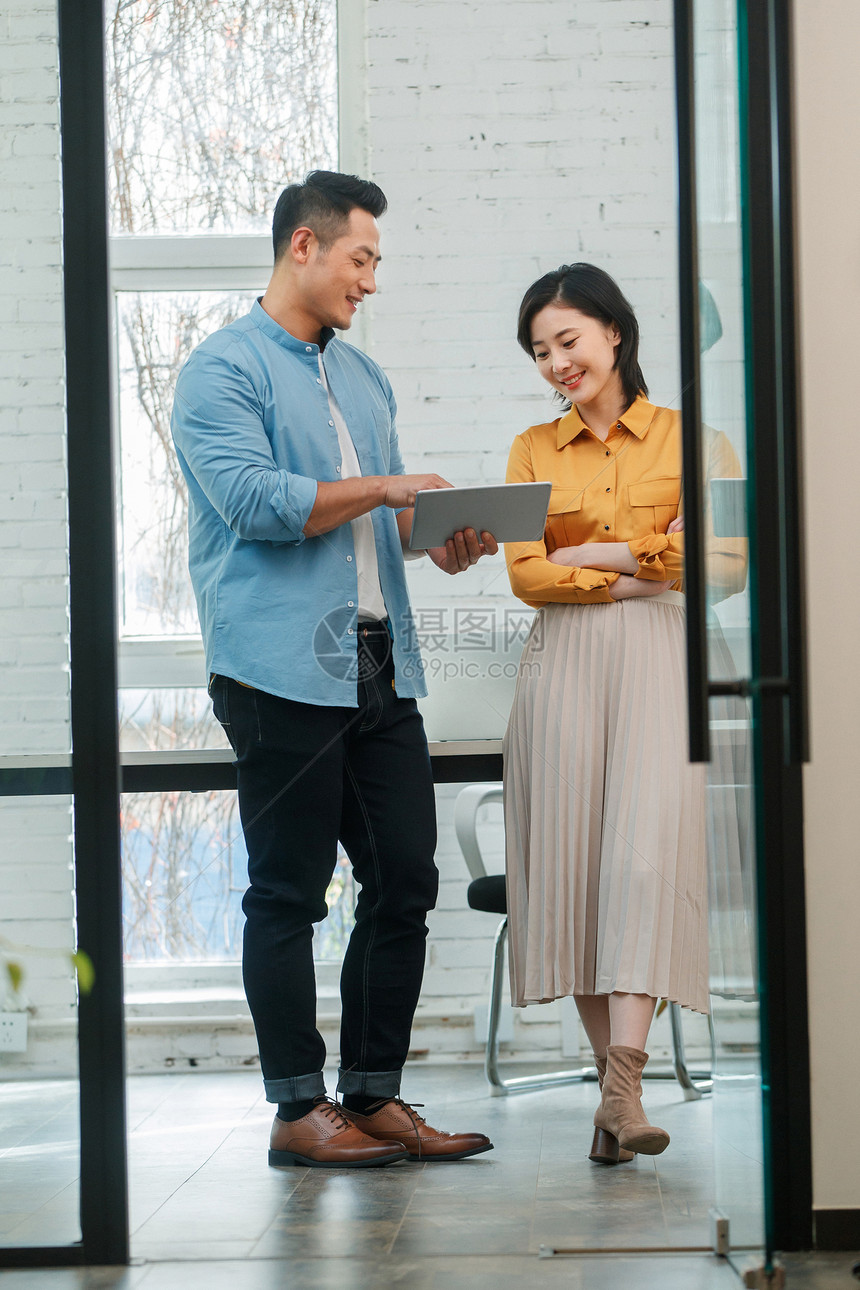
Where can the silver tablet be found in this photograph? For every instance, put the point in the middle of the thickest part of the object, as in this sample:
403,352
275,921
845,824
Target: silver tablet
511,512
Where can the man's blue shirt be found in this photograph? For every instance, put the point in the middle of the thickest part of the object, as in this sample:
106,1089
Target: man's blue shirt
253,432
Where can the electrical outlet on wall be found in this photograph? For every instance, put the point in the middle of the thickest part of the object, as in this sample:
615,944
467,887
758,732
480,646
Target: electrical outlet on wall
13,1032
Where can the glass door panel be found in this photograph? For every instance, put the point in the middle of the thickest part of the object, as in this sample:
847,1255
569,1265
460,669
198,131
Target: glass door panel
39,1112
40,1124
725,375
40,1134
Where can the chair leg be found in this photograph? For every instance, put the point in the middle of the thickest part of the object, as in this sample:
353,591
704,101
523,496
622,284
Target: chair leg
491,1056
522,1083
694,1084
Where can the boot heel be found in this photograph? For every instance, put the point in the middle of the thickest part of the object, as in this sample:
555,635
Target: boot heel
604,1148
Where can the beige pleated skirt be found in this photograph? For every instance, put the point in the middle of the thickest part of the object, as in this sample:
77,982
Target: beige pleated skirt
604,815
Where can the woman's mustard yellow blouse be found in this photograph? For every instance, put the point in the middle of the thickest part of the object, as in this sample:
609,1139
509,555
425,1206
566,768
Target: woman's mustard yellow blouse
627,489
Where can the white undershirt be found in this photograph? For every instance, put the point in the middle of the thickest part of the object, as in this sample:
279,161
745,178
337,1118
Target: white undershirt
370,600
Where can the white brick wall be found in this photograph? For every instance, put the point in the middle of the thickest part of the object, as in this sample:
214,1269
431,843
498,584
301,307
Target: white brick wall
33,587
36,885
509,138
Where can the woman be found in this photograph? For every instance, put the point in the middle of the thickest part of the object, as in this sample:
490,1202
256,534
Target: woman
604,815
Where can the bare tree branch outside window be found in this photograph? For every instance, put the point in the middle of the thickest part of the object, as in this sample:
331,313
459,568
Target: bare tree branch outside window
216,105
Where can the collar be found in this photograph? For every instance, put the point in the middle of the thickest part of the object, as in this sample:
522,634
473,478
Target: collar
277,333
637,419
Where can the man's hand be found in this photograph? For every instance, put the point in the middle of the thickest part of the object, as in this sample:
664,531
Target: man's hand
339,501
400,490
462,550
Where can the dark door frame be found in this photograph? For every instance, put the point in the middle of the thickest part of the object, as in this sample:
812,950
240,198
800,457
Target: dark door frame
94,778
778,684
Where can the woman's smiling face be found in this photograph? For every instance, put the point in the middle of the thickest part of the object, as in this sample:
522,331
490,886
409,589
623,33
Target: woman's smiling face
576,353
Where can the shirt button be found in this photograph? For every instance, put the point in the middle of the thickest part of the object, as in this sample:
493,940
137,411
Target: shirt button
606,526
619,426
607,452
331,423
349,631
337,468
350,604
609,490
349,559
319,382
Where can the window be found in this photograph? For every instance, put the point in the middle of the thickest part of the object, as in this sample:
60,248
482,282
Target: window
184,863
213,107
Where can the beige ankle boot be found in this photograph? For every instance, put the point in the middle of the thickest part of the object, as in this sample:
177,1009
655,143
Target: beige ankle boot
604,1147
620,1112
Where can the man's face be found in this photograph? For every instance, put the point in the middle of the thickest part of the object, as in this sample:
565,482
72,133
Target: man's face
337,279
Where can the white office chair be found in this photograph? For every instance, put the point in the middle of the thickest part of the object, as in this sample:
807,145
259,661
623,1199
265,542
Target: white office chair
487,893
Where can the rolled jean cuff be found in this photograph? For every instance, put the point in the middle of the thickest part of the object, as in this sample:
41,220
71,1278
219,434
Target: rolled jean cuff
295,1088
370,1083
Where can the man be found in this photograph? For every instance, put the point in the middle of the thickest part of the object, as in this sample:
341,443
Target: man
298,513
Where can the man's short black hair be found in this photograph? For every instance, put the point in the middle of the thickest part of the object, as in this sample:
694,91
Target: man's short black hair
322,204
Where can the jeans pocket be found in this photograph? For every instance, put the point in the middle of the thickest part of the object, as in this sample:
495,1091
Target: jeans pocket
220,705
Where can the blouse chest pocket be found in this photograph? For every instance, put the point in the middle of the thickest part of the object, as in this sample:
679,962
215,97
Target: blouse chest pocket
654,503
564,521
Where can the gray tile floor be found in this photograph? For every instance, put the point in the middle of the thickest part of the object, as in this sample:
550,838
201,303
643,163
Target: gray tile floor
206,1211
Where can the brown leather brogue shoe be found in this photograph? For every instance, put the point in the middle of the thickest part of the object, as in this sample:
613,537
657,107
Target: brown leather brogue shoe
325,1137
397,1121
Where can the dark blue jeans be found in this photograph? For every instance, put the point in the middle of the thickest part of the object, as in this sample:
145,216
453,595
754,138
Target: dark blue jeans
309,776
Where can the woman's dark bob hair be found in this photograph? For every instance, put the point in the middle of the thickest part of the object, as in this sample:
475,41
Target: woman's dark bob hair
592,292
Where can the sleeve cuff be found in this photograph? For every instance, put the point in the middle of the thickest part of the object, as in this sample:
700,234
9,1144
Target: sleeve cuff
647,551
594,580
292,501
